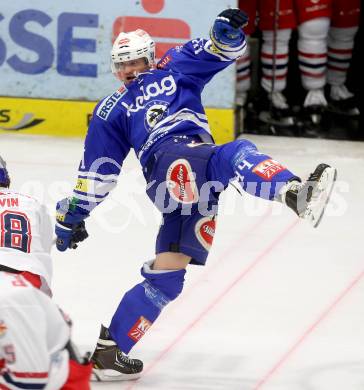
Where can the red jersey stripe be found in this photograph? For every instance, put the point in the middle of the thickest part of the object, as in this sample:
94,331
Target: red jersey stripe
29,374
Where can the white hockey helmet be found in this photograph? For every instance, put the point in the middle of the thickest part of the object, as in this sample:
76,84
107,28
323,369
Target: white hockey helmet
131,46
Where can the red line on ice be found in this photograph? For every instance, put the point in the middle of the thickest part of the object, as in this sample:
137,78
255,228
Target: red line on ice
217,300
308,331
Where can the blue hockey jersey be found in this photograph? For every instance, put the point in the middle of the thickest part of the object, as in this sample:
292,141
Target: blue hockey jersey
157,105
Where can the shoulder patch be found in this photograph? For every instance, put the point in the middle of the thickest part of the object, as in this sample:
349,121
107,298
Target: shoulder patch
109,103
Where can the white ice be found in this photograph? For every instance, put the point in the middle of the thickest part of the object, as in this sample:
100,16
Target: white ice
279,305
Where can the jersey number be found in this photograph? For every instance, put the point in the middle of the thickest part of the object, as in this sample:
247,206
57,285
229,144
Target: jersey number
15,231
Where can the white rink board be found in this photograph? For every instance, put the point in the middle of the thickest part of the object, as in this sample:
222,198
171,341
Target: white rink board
279,305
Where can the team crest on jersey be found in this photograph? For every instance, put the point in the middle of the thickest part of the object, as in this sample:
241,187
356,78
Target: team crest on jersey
155,111
181,182
3,328
205,231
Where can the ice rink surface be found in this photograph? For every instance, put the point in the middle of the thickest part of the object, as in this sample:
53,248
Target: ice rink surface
279,305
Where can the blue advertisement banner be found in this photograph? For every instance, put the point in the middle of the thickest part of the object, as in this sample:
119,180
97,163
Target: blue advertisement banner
60,50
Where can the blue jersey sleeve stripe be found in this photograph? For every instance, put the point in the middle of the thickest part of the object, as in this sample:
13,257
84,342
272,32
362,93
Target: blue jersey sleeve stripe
89,195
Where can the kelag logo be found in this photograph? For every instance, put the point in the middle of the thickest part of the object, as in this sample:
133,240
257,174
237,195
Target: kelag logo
25,122
47,54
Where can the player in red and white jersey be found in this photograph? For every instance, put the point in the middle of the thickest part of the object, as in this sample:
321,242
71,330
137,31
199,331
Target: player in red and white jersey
326,33
35,347
30,362
25,235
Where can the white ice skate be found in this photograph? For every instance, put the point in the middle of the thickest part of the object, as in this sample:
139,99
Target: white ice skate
308,200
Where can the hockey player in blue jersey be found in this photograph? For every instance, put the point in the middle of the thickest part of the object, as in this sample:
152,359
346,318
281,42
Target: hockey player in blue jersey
158,113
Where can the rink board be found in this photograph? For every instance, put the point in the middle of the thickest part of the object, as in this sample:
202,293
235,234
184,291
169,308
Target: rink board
71,118
61,49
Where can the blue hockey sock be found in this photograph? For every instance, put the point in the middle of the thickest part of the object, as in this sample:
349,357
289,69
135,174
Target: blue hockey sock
258,174
141,305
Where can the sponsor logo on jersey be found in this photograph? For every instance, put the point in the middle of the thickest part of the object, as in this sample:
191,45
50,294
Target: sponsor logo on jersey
12,202
164,61
109,103
193,144
154,295
82,185
181,183
205,231
214,49
155,111
268,168
139,328
3,328
166,86
60,216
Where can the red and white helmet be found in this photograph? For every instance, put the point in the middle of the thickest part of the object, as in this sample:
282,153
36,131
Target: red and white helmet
131,46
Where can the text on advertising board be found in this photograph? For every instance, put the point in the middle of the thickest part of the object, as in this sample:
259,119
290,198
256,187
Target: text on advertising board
66,45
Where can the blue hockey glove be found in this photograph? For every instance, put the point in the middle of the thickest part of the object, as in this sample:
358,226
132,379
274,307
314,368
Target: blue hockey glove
235,17
69,235
227,29
70,226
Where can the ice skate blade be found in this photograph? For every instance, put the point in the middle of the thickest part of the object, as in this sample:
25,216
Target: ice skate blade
316,208
267,118
349,113
112,376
